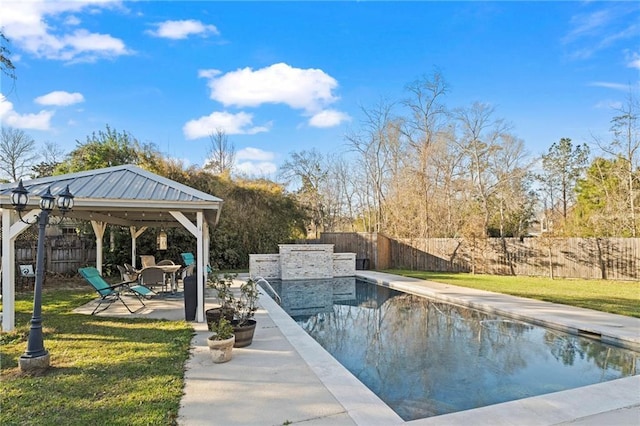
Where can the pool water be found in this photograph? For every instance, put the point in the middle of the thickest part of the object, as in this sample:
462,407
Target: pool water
425,358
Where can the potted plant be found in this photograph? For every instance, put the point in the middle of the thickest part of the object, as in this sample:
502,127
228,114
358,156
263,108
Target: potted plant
226,299
245,308
221,341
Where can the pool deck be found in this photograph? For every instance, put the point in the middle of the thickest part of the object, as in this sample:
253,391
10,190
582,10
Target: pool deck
285,377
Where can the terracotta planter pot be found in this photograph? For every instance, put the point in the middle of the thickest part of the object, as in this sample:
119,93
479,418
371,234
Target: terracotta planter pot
244,333
221,349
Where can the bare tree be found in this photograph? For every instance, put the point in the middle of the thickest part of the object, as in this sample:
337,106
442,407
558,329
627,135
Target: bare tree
509,167
347,179
377,147
6,66
449,177
222,154
52,156
340,188
17,153
306,170
626,146
428,117
479,141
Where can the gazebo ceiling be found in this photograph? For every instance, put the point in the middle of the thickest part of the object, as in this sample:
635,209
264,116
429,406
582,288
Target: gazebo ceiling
122,195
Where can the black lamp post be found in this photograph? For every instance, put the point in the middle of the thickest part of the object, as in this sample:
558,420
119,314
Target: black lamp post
36,356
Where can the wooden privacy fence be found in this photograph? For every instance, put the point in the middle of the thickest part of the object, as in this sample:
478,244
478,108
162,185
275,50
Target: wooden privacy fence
63,254
607,258
366,246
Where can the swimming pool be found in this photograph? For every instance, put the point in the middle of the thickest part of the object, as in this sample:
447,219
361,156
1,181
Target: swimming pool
425,358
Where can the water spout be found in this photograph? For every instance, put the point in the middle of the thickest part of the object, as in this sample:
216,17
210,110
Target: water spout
269,288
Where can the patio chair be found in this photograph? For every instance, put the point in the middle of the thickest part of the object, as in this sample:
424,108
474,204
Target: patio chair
111,293
165,262
190,259
147,260
131,270
126,276
27,276
152,276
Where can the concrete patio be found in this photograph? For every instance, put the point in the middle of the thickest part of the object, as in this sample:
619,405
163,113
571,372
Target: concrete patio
285,377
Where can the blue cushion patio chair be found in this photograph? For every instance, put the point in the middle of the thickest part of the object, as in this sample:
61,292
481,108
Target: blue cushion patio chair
190,259
110,293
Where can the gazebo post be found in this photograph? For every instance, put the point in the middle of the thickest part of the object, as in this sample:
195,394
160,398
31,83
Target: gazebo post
9,265
202,253
205,241
8,274
98,229
202,268
134,235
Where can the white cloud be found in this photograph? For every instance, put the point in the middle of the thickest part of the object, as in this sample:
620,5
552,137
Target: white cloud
255,168
608,104
9,117
328,118
254,154
60,98
31,26
614,86
72,21
91,46
178,30
587,24
255,162
633,60
601,29
306,89
210,73
232,124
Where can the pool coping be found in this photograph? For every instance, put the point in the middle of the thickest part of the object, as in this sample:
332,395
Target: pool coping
610,400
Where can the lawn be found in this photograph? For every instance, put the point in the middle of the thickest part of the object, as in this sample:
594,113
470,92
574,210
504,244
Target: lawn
103,370
617,297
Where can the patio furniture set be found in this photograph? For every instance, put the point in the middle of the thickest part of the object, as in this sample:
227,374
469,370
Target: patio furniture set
138,282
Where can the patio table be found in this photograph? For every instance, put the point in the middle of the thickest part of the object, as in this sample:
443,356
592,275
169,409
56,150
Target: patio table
171,269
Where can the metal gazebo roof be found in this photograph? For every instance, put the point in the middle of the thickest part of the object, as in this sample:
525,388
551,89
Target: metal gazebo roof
123,195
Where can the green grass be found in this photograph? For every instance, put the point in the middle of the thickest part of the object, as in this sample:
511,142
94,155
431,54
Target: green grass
103,370
617,297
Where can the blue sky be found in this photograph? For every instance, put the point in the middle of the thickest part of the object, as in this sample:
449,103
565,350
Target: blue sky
286,76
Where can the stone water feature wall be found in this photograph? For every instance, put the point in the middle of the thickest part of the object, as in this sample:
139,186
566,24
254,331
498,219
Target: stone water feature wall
265,265
303,261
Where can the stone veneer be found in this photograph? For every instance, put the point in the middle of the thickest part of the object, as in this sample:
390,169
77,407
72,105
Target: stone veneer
303,261
265,265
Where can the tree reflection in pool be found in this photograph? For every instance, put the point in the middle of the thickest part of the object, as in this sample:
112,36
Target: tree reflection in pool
426,358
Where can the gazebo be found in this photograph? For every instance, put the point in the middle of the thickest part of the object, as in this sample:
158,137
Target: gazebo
121,195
